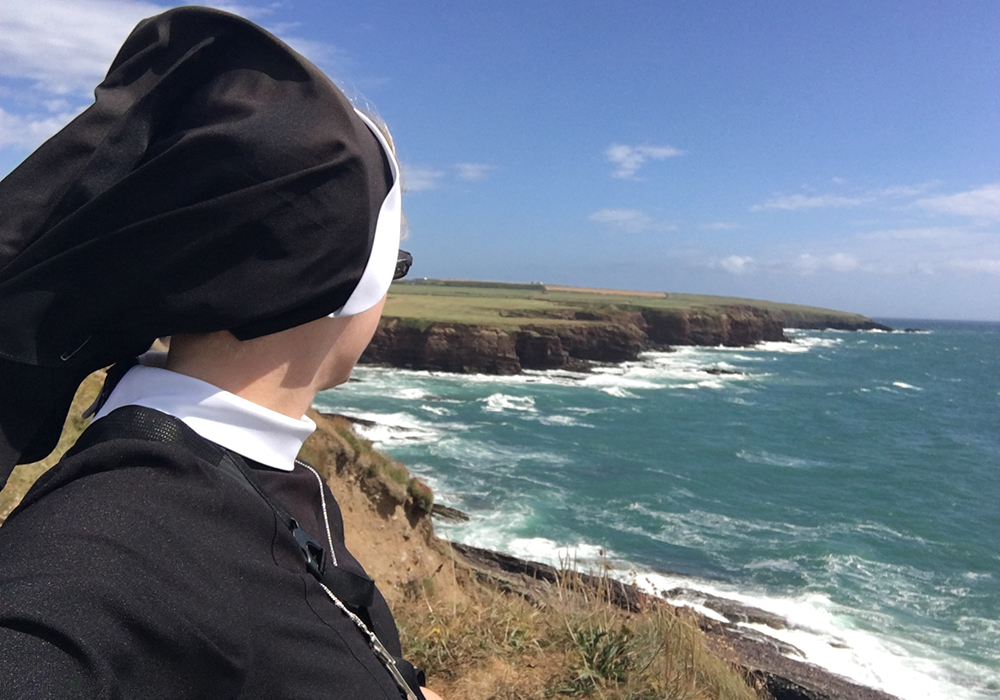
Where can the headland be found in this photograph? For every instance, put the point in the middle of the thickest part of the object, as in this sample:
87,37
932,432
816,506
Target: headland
470,327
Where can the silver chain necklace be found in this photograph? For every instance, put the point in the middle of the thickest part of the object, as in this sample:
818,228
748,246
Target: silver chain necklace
381,653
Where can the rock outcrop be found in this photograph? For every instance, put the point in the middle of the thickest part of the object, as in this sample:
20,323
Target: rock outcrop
838,325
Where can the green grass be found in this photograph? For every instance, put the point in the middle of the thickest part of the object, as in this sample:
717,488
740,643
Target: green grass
514,306
476,309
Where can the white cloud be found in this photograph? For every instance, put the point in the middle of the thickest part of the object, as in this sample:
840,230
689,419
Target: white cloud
631,220
939,236
417,179
808,264
720,226
736,264
792,202
907,234
62,49
985,266
982,203
66,46
802,264
952,253
473,172
841,262
29,132
905,191
57,105
630,158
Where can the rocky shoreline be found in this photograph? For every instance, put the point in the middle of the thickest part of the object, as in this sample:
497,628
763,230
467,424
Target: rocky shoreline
765,660
577,340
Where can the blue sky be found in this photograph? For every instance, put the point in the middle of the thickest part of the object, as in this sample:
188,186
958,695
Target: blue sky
841,154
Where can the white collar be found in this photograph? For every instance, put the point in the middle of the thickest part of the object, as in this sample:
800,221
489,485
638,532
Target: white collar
242,426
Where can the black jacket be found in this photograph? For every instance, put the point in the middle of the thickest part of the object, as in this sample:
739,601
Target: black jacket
138,569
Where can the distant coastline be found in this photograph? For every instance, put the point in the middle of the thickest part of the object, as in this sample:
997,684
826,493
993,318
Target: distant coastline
469,326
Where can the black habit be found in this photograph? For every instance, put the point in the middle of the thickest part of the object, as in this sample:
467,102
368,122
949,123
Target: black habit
139,569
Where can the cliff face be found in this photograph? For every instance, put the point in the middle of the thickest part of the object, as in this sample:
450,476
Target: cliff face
570,344
737,326
386,527
444,347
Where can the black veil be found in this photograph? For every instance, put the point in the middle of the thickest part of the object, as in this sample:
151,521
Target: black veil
220,181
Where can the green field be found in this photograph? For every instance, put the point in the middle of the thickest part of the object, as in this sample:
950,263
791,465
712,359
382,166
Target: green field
514,305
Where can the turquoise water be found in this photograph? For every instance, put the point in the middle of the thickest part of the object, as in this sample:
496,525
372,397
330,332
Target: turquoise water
849,481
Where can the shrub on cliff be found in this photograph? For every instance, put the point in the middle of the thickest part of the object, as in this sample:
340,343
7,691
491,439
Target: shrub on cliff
421,494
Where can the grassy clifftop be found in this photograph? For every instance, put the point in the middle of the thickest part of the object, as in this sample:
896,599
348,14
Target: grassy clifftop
513,306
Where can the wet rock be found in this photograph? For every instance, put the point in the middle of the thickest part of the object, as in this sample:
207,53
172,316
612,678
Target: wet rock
733,611
352,419
451,514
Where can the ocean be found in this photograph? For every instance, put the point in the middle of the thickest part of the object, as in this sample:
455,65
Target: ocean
847,481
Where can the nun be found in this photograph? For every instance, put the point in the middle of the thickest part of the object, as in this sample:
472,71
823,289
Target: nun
222,191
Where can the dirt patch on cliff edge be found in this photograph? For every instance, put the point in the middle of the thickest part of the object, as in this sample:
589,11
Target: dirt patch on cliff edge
385,528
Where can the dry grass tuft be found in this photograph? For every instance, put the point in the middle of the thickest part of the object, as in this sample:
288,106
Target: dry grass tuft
24,475
568,641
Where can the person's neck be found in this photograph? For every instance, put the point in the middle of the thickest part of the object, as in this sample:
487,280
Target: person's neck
260,373
270,390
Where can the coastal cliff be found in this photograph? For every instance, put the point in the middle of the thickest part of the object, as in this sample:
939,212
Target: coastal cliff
570,343
495,328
